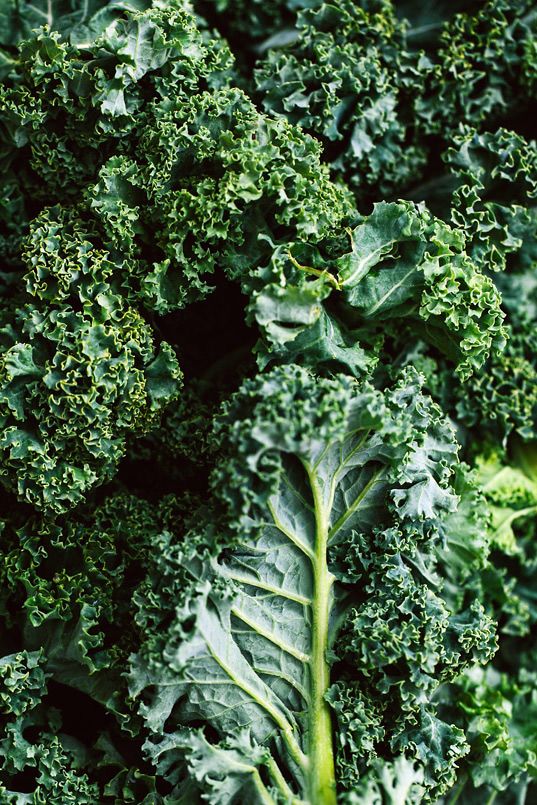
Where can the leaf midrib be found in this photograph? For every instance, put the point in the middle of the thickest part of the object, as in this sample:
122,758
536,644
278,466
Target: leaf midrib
322,782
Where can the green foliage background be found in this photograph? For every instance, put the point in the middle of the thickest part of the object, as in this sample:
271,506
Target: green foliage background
268,311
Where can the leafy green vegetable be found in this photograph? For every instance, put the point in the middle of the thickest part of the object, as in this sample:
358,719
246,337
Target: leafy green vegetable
216,184
494,166
74,379
268,402
322,484
19,19
349,79
500,713
402,263
484,65
64,595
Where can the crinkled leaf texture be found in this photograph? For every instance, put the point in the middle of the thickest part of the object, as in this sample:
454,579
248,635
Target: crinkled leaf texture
499,712
214,182
80,369
242,617
52,762
403,264
511,490
68,731
349,78
485,66
390,783
494,202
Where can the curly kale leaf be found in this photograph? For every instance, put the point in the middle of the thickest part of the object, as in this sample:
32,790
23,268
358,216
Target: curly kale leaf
212,182
65,592
495,200
308,621
403,265
484,67
511,490
466,532
55,765
67,727
67,105
45,757
495,203
319,547
79,370
19,18
23,680
496,564
496,706
397,782
498,712
349,79
502,398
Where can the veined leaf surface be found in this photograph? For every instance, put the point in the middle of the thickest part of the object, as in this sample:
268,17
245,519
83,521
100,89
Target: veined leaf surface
258,607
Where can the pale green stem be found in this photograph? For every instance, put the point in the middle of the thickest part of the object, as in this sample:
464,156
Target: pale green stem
280,782
264,796
317,272
321,753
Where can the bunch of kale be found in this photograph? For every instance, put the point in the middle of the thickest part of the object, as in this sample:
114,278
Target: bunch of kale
268,402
